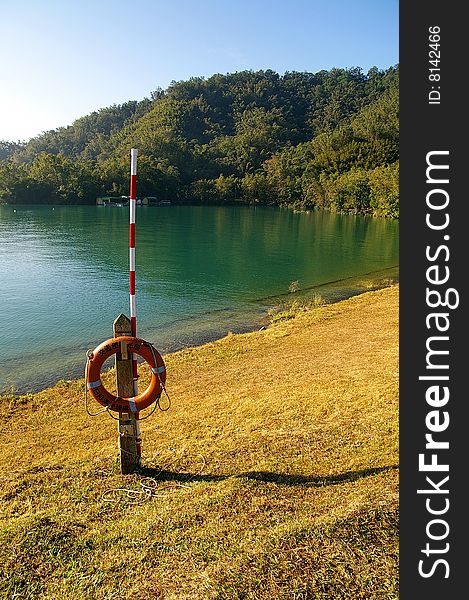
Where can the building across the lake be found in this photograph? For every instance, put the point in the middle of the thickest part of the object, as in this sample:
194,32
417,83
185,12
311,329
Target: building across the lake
154,201
124,201
112,200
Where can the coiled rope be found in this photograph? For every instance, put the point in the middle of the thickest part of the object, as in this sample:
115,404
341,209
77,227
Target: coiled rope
149,488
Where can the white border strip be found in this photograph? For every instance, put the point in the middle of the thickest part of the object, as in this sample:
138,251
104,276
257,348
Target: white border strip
93,384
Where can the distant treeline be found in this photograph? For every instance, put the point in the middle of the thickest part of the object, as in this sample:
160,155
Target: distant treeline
325,140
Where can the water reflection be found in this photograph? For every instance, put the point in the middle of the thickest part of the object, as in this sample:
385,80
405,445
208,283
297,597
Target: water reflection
200,271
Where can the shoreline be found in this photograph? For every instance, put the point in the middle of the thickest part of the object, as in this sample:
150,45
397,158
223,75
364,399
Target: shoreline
231,203
293,303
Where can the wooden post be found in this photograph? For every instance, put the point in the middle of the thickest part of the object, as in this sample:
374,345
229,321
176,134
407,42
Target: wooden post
130,461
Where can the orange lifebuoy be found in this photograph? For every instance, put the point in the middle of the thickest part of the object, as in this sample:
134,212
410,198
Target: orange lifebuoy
133,345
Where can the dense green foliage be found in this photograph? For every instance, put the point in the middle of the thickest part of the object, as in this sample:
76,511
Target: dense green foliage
327,140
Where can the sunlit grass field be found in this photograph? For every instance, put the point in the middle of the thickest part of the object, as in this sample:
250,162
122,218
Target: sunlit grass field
274,474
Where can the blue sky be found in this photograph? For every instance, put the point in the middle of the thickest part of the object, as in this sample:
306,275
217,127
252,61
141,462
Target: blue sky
62,59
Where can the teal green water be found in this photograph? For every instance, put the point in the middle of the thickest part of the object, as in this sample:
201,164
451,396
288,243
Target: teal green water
200,272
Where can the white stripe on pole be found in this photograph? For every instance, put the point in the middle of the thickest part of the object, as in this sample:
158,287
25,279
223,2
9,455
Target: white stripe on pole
132,306
132,258
132,210
133,161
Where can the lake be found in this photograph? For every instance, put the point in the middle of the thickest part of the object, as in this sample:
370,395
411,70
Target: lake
200,272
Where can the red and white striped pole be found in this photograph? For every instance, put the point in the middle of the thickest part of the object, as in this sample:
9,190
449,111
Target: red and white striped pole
133,314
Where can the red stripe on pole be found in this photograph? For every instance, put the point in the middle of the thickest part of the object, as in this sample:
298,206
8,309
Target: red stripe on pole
133,187
133,318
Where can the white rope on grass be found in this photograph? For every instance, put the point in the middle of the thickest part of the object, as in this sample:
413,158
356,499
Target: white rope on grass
150,488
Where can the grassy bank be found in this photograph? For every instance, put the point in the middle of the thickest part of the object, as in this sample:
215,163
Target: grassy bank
273,475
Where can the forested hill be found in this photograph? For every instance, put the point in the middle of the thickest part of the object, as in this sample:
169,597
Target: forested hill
329,140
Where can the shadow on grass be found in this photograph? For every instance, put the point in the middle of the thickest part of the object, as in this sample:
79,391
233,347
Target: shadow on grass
268,477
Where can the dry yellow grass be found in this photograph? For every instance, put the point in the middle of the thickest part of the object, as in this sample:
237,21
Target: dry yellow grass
276,469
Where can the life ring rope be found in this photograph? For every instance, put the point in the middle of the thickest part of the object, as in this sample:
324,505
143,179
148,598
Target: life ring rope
131,404
160,370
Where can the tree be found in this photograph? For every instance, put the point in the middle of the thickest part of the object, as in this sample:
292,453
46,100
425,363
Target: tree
322,140
384,190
